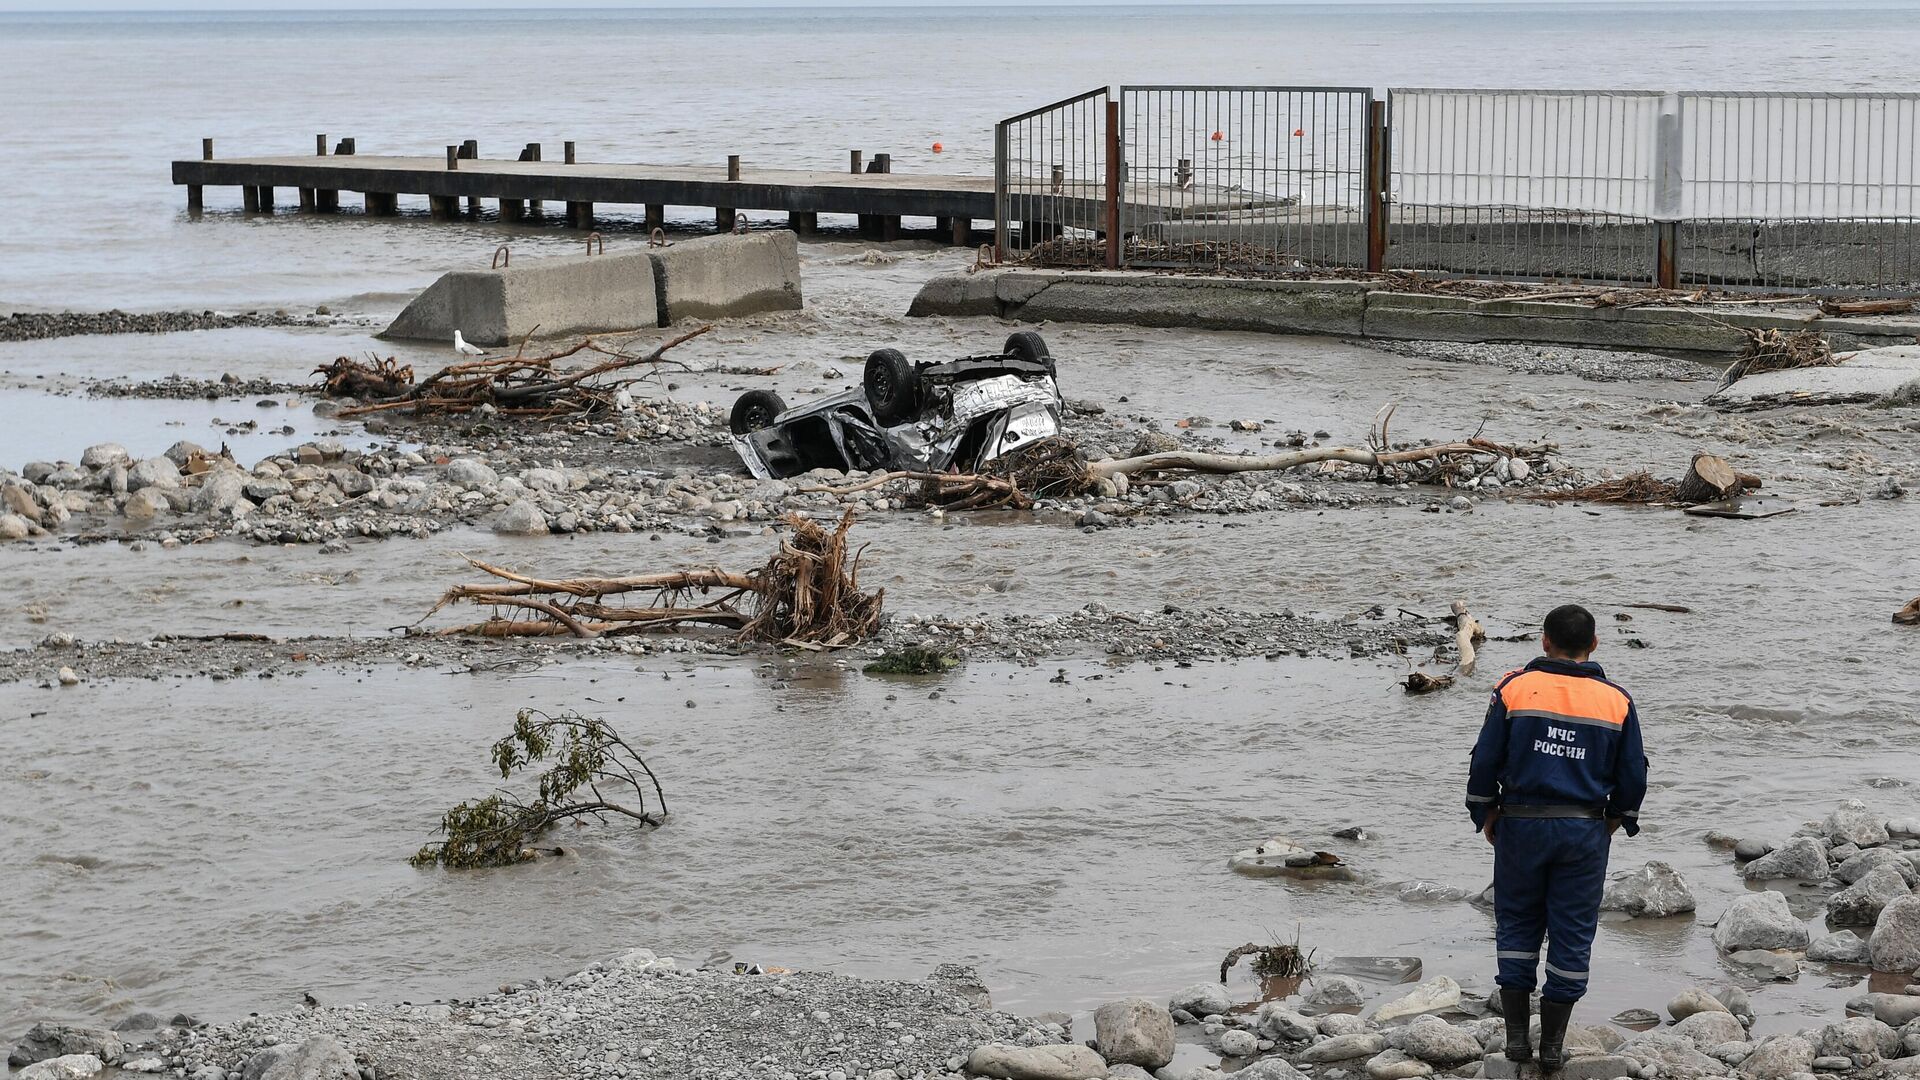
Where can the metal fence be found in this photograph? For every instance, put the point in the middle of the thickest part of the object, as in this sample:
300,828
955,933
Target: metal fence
1816,192
1050,182
1261,178
1536,184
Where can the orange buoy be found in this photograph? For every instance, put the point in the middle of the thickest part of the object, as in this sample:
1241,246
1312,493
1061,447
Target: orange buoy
1217,136
939,148
1297,133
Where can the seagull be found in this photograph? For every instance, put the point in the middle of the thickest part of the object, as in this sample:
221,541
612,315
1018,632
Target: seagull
460,346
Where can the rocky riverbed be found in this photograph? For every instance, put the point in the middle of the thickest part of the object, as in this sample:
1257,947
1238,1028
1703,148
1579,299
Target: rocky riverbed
37,326
643,1015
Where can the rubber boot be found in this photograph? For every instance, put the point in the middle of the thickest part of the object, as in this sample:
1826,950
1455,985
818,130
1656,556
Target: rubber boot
1517,1007
1553,1034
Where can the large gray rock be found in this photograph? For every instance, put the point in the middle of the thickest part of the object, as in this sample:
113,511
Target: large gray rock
1852,823
1339,1023
1438,1042
1269,1068
1281,1024
44,1041
1895,944
470,473
1396,1065
1800,859
146,504
318,1058
1434,995
1345,1048
1591,1067
1707,1030
1201,999
1861,1039
1060,1061
1759,921
1778,1058
153,472
14,527
1654,891
67,1067
1857,867
1860,903
102,455
1134,1031
220,490
1674,1054
1895,1010
521,519
1694,1000
1839,947
1235,1043
1334,992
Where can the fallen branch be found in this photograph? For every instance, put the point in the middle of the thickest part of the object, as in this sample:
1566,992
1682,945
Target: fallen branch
1467,632
1196,461
514,385
808,594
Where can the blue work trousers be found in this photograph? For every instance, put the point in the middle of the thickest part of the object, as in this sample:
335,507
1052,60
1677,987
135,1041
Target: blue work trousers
1548,876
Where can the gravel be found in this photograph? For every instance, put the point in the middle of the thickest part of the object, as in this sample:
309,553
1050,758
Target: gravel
35,326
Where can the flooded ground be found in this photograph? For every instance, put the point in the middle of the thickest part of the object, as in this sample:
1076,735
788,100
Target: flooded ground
223,846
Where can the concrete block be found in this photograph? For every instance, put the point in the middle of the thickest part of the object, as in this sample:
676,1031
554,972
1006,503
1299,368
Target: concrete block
573,294
718,277
1415,317
1279,307
957,294
1867,376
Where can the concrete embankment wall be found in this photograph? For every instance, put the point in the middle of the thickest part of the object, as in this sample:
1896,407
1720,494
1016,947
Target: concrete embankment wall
713,277
1359,309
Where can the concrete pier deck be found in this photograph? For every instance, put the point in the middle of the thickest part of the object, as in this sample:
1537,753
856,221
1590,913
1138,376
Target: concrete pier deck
881,197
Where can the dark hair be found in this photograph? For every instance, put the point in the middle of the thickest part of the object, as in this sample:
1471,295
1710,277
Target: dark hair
1569,628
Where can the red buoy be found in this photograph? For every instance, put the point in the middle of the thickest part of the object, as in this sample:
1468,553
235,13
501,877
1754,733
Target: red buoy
939,148
1217,136
1297,132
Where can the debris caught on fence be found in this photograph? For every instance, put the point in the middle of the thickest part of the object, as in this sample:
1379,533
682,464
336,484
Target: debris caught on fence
514,385
807,594
588,760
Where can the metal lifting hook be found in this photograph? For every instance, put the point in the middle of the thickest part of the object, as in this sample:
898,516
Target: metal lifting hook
591,238
502,256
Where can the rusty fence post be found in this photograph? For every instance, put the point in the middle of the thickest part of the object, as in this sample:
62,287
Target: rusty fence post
1379,152
1667,268
1113,185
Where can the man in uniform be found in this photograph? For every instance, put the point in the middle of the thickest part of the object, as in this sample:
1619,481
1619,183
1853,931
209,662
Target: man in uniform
1558,767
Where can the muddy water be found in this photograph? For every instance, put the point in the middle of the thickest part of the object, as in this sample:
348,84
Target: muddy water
222,846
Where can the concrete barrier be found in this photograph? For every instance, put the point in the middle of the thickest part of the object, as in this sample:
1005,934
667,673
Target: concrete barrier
573,294
717,277
708,278
1357,309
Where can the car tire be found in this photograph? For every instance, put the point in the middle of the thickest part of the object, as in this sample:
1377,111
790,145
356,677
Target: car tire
754,410
892,386
1027,345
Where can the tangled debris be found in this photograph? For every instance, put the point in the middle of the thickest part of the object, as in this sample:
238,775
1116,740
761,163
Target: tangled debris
1774,350
1284,961
808,594
514,385
912,660
587,753
1708,479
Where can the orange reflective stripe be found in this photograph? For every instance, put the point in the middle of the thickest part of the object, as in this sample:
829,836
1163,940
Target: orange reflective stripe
1565,695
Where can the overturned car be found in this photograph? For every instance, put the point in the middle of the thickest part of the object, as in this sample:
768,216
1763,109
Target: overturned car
928,417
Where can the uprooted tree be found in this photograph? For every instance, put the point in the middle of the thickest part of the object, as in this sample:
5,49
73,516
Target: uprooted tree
807,594
592,773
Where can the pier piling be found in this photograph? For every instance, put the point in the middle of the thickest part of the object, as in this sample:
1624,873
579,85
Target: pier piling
580,215
569,150
453,157
656,217
206,149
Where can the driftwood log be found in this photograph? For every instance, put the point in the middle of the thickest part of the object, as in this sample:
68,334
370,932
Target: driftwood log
1467,632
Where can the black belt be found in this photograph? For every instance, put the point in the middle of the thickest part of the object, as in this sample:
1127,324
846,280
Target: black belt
1587,812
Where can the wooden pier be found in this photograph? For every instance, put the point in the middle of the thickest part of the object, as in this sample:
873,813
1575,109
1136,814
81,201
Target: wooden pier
521,188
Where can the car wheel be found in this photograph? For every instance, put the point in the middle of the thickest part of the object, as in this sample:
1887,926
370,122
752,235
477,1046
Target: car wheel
755,410
892,385
1027,345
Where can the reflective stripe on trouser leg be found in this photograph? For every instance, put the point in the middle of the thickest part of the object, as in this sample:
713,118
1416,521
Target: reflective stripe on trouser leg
1576,881
1519,903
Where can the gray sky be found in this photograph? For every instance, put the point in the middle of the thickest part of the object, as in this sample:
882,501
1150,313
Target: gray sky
361,5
